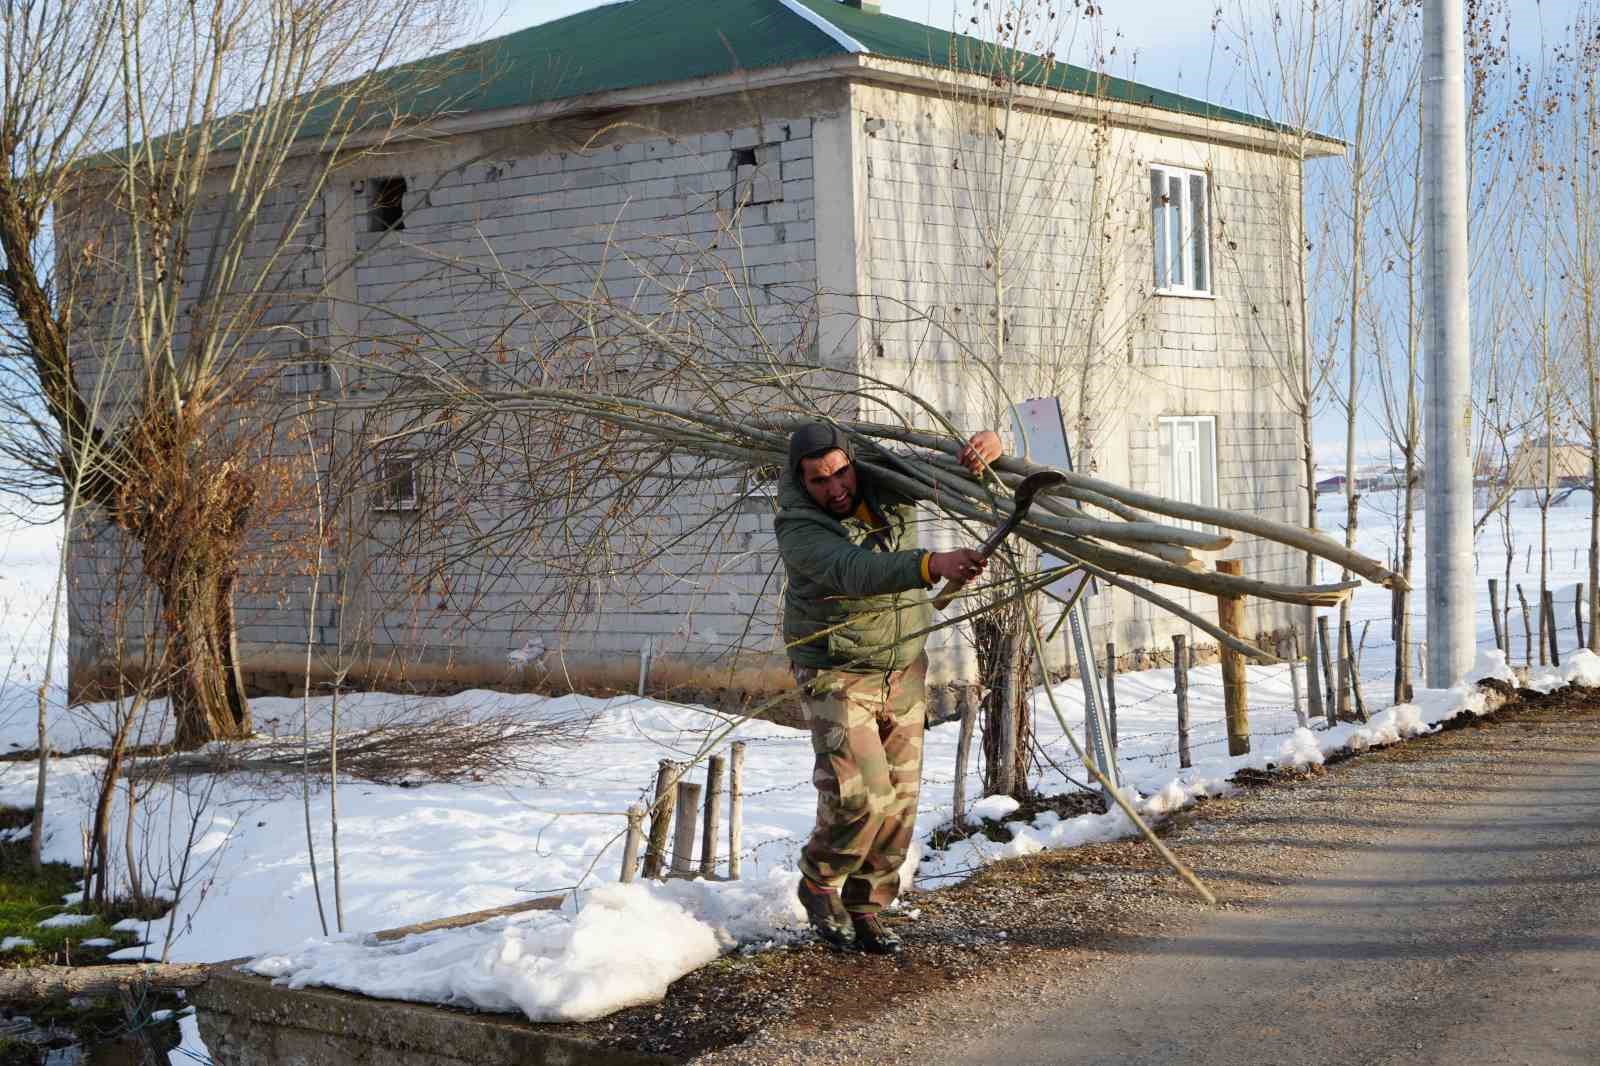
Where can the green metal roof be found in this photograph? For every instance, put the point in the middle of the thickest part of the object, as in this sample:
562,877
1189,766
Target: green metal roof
651,42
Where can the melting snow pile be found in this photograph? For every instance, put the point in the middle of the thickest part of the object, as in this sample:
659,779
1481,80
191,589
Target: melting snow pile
622,948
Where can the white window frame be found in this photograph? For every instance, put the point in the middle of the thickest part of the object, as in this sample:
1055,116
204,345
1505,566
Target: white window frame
1182,267
1188,461
387,499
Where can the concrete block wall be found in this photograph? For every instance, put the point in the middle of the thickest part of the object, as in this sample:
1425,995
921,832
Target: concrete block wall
715,194
1081,320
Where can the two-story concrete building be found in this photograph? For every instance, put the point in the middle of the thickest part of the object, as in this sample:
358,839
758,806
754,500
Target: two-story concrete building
894,208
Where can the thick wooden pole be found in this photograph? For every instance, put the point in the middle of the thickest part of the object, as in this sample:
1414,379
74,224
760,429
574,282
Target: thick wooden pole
968,699
630,846
1235,682
735,809
655,852
1180,687
715,767
688,817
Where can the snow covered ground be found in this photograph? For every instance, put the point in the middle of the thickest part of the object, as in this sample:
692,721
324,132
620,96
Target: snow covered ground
413,854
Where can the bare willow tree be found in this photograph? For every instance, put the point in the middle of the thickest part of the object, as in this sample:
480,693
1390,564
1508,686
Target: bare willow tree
180,151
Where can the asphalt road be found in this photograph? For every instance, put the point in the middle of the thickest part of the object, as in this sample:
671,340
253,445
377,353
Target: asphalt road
1469,935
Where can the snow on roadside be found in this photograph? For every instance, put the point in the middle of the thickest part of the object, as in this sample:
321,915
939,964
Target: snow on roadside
621,949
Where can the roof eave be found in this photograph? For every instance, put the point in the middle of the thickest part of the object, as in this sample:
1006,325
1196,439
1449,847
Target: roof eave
895,71
863,66
810,70
1259,137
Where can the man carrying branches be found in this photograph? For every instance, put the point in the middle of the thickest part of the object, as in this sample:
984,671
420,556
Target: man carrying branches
855,618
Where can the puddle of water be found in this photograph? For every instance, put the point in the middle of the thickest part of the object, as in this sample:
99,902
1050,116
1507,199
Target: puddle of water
60,1047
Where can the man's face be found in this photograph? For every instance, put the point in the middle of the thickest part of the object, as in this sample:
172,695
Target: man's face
830,478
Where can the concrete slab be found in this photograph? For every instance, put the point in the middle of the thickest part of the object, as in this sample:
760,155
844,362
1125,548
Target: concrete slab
245,1020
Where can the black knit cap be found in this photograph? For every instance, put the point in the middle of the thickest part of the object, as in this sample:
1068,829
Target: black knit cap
815,439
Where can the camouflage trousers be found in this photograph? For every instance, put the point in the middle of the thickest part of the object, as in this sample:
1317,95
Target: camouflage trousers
866,731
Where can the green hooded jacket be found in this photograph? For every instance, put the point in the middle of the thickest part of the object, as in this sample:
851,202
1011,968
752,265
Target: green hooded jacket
855,597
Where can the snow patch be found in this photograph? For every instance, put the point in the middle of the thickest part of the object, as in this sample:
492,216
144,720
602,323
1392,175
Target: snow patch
622,949
1300,750
1583,669
1491,665
15,943
1545,679
64,921
1400,722
994,808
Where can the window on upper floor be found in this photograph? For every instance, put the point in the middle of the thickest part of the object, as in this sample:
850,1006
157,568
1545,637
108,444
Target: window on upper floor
1180,210
756,176
386,208
1188,459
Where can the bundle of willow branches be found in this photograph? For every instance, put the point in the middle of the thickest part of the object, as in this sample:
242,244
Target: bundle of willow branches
1132,542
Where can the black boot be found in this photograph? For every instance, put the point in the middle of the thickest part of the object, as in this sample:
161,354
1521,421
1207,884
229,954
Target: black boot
827,915
873,937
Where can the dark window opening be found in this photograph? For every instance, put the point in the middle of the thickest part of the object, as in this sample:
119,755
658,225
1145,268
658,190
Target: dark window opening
388,205
397,491
744,157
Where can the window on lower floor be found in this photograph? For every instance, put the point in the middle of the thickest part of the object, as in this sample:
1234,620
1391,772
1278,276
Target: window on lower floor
1188,459
397,482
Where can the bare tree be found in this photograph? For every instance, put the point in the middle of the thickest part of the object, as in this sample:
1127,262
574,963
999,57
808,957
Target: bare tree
180,151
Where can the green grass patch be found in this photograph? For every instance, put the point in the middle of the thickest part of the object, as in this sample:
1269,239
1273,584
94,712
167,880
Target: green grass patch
29,896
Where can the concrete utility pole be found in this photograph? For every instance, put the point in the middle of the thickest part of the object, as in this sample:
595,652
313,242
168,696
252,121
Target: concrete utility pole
1447,431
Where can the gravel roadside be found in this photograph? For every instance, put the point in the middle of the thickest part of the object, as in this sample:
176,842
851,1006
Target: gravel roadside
1030,932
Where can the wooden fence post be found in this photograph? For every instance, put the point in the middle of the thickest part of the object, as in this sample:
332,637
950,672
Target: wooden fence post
683,838
630,845
1235,682
708,841
1552,640
967,698
1494,609
735,810
655,852
1180,686
1331,707
1577,615
1313,674
1354,668
1289,648
1527,628
1111,697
